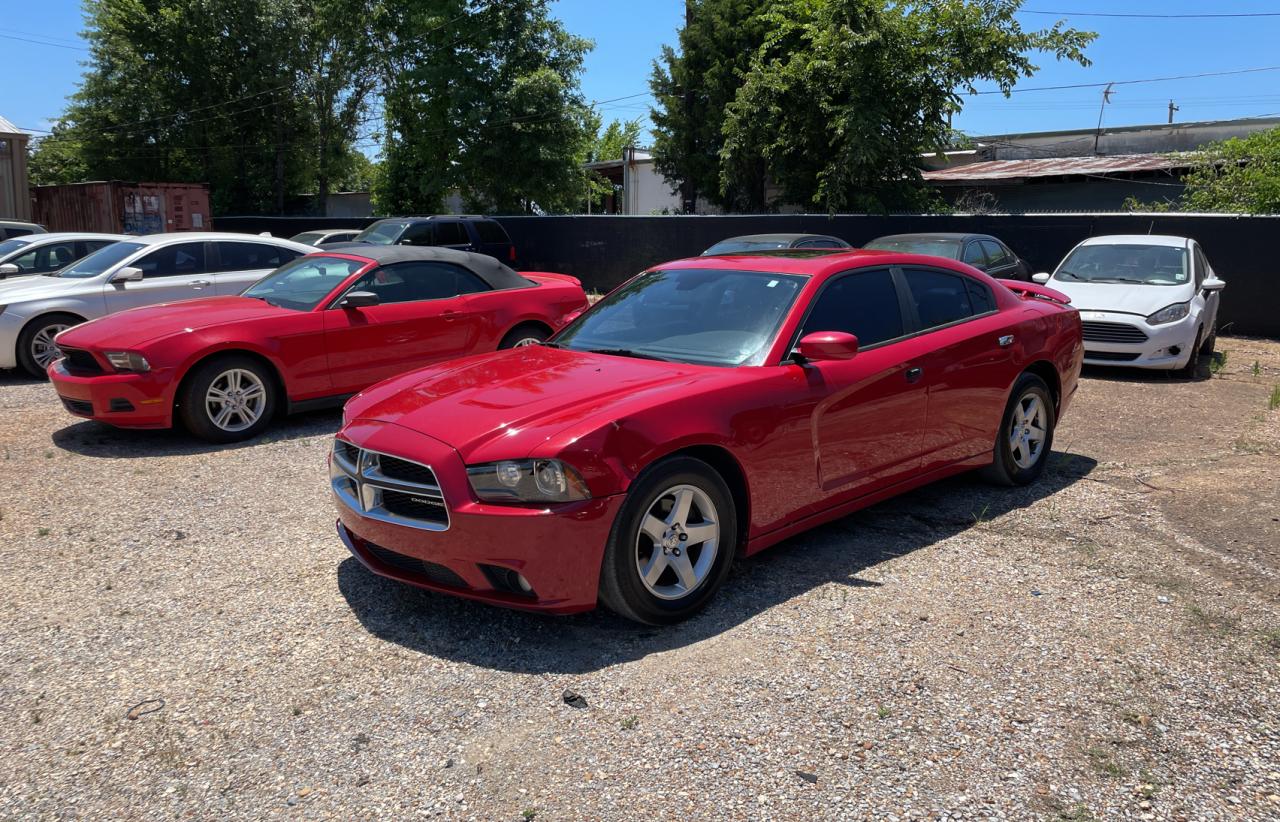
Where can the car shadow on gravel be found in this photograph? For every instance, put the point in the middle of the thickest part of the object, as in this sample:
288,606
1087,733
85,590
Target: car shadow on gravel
16,376
94,439
501,639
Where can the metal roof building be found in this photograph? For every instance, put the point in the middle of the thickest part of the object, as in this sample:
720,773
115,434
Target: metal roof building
15,201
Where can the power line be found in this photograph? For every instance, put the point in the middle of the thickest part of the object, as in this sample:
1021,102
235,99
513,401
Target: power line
1133,82
1143,15
42,43
44,36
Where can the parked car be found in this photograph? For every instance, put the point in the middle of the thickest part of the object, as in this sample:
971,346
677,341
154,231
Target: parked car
43,253
982,251
459,232
1147,301
14,228
140,271
326,236
753,243
706,409
312,333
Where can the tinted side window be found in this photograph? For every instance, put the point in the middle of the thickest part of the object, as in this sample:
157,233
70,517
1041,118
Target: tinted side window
17,232
1202,267
418,234
863,304
491,232
939,298
250,256
174,260
996,253
974,256
980,297
451,233
413,282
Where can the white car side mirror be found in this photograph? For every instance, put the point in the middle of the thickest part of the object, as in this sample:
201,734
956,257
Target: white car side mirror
1041,278
128,274
1213,284
8,270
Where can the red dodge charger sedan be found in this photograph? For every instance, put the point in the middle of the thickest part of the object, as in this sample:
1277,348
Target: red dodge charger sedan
313,332
706,409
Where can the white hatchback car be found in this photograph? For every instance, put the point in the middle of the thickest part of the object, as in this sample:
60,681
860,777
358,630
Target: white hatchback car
1147,301
136,272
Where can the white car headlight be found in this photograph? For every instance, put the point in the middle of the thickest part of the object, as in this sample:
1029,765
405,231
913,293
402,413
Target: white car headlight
1170,314
127,361
527,481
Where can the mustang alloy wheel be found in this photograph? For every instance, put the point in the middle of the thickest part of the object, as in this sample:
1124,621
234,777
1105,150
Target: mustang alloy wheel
672,543
228,398
524,335
1025,437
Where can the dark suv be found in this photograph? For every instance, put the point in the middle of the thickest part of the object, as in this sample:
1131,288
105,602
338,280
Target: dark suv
461,232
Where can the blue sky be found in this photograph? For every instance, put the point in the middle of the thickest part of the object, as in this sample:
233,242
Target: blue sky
628,35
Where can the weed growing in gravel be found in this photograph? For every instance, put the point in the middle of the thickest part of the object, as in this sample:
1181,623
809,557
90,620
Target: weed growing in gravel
297,711
1217,363
883,712
48,455
1257,369
1273,402
528,814
44,532
1272,639
1104,763
629,723
1220,624
1077,814
980,517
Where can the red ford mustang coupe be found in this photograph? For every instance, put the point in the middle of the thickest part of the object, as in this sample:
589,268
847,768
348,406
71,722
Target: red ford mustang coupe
313,332
708,408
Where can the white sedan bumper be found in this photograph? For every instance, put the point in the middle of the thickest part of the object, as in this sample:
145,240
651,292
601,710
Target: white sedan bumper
1126,339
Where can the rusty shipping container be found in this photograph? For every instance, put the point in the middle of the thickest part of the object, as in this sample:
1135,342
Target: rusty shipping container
123,208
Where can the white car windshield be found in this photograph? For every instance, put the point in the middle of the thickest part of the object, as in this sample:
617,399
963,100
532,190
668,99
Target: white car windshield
99,261
1132,264
9,246
703,316
302,283
934,247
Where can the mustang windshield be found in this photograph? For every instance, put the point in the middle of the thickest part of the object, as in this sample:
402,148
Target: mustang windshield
383,232
303,283
704,316
1141,264
99,261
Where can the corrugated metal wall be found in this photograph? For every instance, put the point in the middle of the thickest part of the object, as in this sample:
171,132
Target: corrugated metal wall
117,207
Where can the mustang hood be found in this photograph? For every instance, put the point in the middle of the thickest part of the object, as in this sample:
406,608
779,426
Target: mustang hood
128,329
525,395
1127,298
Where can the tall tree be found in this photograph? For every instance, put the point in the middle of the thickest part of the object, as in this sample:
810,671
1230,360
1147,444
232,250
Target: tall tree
844,95
1238,176
617,136
692,89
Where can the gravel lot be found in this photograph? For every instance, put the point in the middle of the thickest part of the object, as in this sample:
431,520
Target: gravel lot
1103,645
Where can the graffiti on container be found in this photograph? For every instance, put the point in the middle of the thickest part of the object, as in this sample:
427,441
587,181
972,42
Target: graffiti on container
143,214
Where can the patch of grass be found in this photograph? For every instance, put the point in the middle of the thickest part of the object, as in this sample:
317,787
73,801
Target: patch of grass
883,712
297,711
48,455
1104,763
629,723
1273,402
980,517
44,532
1271,639
1217,363
1257,369
528,814
1077,814
1220,624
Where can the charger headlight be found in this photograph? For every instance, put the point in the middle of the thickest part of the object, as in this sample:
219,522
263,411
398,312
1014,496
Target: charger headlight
127,361
1170,314
527,481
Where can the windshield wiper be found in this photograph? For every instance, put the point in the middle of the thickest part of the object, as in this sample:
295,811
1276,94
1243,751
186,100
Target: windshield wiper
264,299
1119,280
1070,274
627,352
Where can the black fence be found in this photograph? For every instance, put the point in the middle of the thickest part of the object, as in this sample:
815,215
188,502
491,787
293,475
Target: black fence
602,251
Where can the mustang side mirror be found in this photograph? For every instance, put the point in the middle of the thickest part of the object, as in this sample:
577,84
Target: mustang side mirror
359,299
1211,284
1041,278
827,345
8,270
128,274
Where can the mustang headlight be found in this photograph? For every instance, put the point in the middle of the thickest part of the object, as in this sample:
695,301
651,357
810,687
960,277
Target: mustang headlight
1170,314
527,481
127,361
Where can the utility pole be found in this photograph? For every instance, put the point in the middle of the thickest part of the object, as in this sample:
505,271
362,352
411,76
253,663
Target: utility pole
1172,109
689,189
1106,98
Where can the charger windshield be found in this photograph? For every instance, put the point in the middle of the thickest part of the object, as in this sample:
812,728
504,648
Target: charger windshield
703,316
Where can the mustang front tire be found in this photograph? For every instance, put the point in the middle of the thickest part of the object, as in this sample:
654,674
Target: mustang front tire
1026,434
672,544
228,399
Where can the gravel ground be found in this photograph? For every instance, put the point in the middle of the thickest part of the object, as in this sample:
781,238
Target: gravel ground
1103,645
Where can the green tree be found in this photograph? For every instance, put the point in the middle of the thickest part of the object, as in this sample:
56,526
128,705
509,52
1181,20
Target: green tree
692,90
1240,176
618,135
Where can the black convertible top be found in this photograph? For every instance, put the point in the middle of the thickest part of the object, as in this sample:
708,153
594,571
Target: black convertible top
493,272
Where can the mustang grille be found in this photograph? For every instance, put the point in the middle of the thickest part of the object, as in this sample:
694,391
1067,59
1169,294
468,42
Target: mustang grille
387,488
79,362
1113,332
